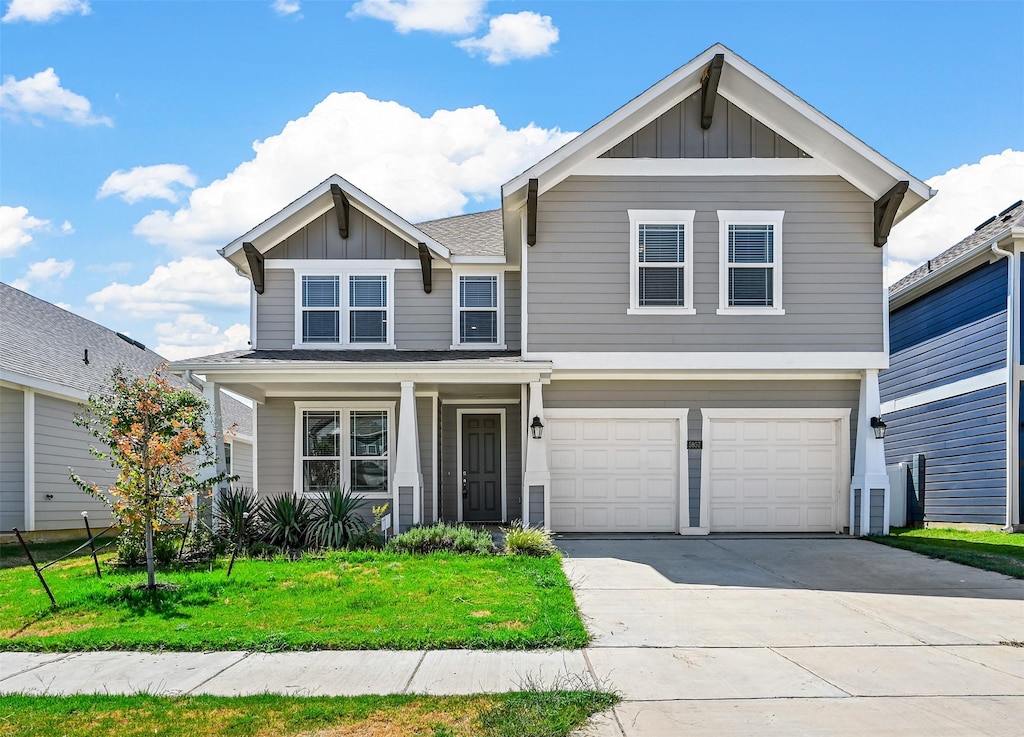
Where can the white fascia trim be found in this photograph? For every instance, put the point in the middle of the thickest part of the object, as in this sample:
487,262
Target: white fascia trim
805,167
750,217
15,380
776,413
333,266
946,391
660,217
720,375
721,361
467,259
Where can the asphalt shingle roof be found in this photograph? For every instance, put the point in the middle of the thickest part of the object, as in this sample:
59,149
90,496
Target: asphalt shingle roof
476,234
41,341
1012,216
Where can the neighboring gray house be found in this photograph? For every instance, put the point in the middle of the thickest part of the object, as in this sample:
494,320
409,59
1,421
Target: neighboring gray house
674,323
50,362
952,395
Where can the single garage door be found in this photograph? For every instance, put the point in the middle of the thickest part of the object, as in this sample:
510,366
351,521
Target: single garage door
614,473
774,475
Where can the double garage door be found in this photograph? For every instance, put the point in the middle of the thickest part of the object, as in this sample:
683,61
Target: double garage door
627,472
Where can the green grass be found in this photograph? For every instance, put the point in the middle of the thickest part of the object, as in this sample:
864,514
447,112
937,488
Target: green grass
13,555
525,714
1002,552
337,601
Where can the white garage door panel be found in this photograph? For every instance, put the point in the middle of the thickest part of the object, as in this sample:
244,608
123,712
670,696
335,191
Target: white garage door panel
774,475
614,475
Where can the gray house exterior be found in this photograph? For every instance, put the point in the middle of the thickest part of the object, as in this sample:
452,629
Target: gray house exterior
51,360
674,323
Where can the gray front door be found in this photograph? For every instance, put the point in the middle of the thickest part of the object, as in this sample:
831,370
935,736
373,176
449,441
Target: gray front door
481,468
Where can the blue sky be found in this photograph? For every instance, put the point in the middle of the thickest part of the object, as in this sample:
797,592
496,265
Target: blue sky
174,94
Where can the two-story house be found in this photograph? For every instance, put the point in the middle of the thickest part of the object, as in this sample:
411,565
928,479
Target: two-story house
674,323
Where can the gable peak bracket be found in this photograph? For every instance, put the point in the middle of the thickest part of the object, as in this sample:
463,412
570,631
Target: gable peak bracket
709,90
531,212
255,259
425,267
885,211
341,209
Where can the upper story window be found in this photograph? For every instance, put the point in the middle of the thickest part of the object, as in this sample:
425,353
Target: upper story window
661,246
345,310
750,259
477,309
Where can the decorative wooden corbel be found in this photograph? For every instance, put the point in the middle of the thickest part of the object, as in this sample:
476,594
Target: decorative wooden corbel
885,211
531,212
255,259
425,267
341,209
709,90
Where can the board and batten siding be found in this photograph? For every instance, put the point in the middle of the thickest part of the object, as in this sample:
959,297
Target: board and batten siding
693,395
12,459
367,239
963,440
579,271
677,133
60,444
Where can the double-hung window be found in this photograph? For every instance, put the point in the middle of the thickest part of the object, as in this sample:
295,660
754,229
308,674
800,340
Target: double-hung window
661,245
750,258
343,447
344,310
477,310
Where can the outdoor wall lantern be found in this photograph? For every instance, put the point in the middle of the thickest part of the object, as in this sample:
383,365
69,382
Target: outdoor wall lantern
537,428
879,427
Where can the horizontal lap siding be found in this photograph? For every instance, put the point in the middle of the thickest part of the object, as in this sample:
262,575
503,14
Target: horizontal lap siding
275,311
241,462
579,269
697,394
963,440
275,446
968,350
60,444
423,321
513,310
12,459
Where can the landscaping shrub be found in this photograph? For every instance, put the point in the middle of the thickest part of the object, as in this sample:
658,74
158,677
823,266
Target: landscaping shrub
442,537
238,511
335,522
534,541
285,518
131,550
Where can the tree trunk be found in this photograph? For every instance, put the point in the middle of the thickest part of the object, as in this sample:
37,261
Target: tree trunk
150,562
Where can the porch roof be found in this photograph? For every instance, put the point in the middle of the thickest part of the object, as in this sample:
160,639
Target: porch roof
292,357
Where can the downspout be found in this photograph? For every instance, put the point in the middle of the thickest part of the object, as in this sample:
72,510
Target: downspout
194,381
1011,389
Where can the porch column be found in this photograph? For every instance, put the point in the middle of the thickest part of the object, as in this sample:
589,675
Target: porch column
869,489
537,476
214,428
408,494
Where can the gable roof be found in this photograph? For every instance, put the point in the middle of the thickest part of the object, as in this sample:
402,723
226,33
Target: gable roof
312,205
43,346
475,234
756,93
980,241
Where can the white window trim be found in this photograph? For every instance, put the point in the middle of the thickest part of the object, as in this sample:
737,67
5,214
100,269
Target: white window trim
463,270
749,217
343,305
343,408
660,217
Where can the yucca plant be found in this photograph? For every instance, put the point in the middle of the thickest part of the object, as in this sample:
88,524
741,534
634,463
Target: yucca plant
285,518
238,513
335,521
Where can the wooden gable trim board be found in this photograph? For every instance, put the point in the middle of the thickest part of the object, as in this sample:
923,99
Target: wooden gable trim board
341,209
886,207
256,266
709,90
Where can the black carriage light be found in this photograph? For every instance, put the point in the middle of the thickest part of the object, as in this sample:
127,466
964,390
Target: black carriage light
537,428
879,427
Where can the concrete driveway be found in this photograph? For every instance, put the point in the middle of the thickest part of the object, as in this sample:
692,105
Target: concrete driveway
798,636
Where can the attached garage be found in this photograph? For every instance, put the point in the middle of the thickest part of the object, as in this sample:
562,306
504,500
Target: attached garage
779,470
617,470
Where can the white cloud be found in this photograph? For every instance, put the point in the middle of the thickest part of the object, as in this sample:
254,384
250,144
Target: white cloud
41,11
50,270
16,228
178,287
285,8
144,182
67,228
41,96
514,36
191,335
968,195
421,167
440,16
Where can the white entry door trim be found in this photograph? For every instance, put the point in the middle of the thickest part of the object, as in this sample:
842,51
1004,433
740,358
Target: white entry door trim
840,416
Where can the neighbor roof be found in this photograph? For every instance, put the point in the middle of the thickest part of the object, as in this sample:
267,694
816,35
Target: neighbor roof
44,346
980,240
476,234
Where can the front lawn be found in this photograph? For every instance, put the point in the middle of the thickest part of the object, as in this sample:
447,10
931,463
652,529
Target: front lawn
1002,552
528,714
354,600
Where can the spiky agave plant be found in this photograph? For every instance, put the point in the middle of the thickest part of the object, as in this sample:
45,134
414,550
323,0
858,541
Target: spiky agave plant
285,519
335,519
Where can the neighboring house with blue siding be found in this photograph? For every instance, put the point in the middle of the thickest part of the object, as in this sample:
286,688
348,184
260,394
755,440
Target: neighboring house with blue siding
50,362
952,390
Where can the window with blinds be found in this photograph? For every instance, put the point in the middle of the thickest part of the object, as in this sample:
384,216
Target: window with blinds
343,310
662,253
368,314
750,252
320,314
478,309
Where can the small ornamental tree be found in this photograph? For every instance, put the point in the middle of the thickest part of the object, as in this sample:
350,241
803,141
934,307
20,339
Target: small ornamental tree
156,442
